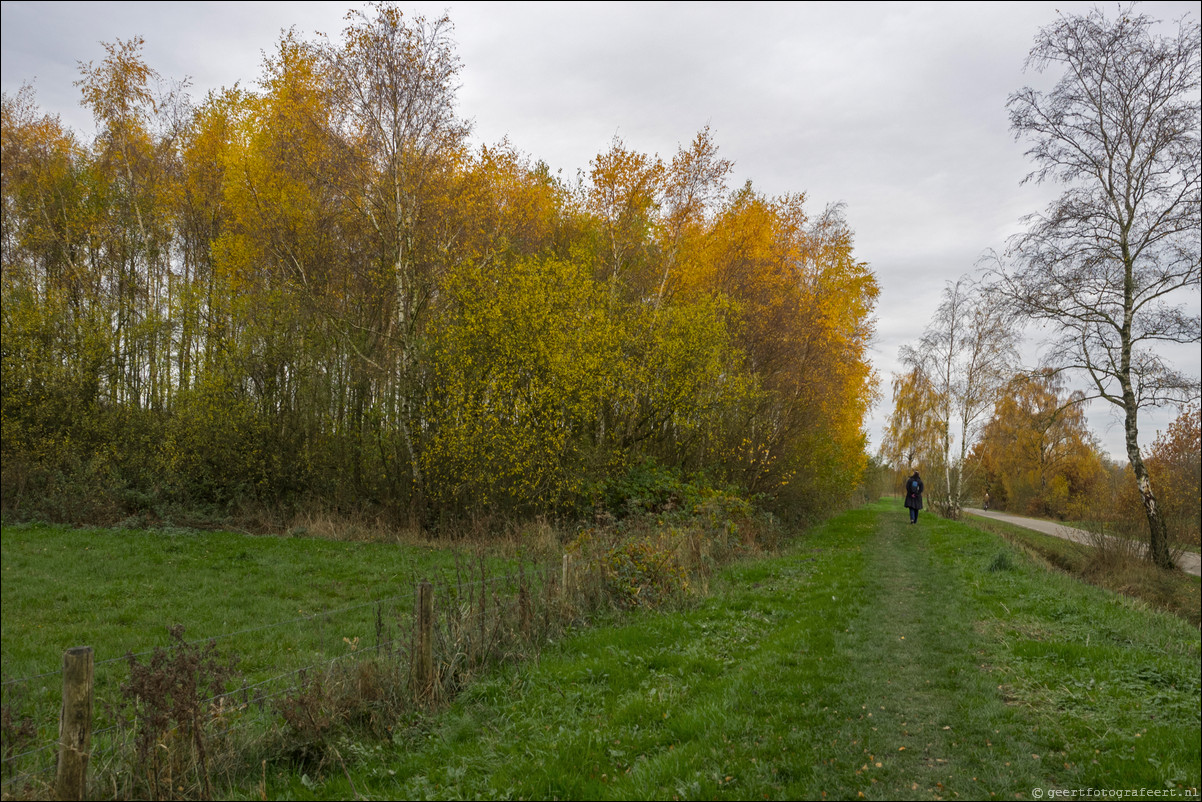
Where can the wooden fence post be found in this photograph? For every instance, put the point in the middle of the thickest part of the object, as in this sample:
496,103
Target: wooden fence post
75,725
523,603
567,573
425,641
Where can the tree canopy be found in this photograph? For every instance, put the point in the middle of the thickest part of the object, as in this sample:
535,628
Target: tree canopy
316,293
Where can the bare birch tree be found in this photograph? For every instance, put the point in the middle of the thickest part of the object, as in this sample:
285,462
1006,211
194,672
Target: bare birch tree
395,84
1112,261
965,356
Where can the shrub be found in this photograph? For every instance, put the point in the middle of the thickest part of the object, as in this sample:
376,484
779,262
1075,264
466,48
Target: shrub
173,700
643,573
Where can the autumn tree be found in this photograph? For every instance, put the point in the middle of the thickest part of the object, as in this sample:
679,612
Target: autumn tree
1036,454
55,338
523,358
310,292
912,432
1107,262
804,322
624,195
1175,461
393,83
694,186
102,272
133,167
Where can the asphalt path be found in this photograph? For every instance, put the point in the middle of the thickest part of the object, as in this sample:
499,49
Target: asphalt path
1187,561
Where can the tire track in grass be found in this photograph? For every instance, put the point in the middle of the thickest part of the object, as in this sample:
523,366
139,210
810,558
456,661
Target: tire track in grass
925,718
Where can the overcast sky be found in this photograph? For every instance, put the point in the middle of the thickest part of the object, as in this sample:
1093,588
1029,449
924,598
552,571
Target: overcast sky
895,109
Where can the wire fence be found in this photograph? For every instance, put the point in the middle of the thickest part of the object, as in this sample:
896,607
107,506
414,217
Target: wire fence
480,616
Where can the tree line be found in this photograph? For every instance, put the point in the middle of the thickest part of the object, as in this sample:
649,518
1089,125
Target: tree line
316,293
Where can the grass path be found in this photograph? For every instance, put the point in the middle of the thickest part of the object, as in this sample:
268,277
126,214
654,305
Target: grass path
916,656
874,660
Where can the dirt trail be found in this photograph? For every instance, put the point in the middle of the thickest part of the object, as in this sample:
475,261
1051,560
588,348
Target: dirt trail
1188,561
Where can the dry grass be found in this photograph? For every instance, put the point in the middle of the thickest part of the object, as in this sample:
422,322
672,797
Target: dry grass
533,538
352,528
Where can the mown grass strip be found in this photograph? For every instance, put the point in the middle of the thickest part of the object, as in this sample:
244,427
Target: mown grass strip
873,659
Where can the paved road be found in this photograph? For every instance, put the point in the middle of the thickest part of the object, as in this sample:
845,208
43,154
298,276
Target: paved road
1188,561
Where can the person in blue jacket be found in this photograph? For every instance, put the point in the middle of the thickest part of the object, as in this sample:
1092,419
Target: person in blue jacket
914,496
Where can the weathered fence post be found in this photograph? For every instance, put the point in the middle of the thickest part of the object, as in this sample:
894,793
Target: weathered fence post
425,641
523,603
75,725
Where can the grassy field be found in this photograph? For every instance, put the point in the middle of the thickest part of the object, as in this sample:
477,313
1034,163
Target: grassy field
1116,569
872,659
280,604
119,590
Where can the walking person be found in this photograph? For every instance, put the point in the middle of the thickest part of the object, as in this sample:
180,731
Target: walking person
914,496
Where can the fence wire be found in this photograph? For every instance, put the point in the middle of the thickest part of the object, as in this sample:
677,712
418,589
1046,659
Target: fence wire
411,595
460,583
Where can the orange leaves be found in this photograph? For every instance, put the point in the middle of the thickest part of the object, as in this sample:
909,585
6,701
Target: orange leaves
625,188
321,264
804,306
694,183
118,89
1036,453
625,192
1173,465
503,203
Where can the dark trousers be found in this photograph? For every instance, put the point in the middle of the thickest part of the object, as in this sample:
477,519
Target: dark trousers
913,515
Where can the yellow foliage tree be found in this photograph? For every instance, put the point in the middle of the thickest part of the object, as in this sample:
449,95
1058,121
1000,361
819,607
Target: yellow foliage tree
1037,455
311,291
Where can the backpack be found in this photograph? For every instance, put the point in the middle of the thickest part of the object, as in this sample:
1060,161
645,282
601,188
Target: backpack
912,486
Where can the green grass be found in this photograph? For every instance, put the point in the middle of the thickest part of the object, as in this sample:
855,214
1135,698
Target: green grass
1172,591
874,659
119,590
278,604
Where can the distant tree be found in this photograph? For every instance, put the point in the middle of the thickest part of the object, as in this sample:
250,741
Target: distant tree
1176,463
1036,453
912,432
1105,262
